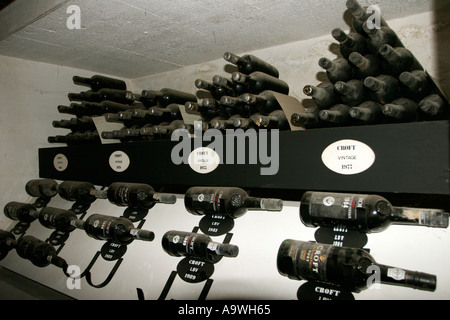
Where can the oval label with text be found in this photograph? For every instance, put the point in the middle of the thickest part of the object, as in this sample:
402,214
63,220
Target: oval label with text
348,157
203,160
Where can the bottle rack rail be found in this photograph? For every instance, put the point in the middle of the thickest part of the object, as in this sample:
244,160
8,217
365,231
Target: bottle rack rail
390,158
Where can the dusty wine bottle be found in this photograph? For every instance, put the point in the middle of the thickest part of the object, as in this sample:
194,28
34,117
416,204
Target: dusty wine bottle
179,243
337,70
39,252
265,102
369,112
137,195
79,124
248,64
237,87
167,96
337,114
237,105
7,243
80,191
354,269
97,82
368,65
243,123
222,124
258,82
232,202
360,16
275,120
216,91
41,188
402,109
168,129
363,212
380,37
59,219
415,84
348,43
323,94
18,211
307,119
396,60
384,88
77,138
352,92
433,105
119,230
91,96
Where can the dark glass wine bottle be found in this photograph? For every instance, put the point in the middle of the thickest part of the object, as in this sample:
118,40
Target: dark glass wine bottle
379,37
415,84
166,130
206,113
308,119
7,243
265,102
97,82
353,269
258,82
368,65
232,202
91,96
18,211
275,120
363,212
402,109
324,94
79,124
77,138
237,87
248,64
179,243
119,230
384,88
244,123
107,106
369,112
75,109
337,114
352,92
216,91
39,252
80,191
237,105
434,106
59,219
348,43
41,188
396,60
167,96
337,70
137,195
223,124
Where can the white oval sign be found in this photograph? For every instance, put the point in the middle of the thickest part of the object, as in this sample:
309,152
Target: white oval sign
204,160
60,162
119,161
348,157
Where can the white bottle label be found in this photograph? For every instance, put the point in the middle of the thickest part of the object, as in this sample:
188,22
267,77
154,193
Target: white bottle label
60,162
396,273
348,157
204,160
119,161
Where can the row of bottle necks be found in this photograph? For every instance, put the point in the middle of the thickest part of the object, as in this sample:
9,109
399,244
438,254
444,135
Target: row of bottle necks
368,213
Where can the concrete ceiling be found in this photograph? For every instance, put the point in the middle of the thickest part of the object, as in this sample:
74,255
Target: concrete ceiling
134,38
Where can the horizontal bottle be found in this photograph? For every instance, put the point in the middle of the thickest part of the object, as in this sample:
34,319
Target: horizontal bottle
137,195
76,138
402,109
41,188
265,102
107,106
179,243
23,212
369,112
166,130
135,133
415,84
396,59
39,252
275,120
167,96
368,65
80,191
97,82
206,113
216,91
232,202
258,82
337,114
91,96
352,93
363,212
434,106
248,64
7,243
324,94
237,105
348,43
59,219
79,124
118,96
244,123
223,124
384,88
353,269
118,230
337,70
308,119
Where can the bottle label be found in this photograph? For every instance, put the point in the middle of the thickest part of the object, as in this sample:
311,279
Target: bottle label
119,161
396,273
312,261
204,160
335,205
348,157
60,162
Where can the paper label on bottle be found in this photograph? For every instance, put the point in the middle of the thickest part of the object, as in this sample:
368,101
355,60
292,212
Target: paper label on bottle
60,162
396,273
348,157
203,160
119,161
289,105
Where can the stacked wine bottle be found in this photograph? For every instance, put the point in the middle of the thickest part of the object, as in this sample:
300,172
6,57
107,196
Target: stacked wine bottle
375,80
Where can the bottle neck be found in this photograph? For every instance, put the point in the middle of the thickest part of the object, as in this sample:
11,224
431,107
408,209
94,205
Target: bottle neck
406,278
418,216
82,81
267,204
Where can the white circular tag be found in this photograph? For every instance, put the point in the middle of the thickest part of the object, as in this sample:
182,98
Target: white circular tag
60,162
348,157
204,160
119,161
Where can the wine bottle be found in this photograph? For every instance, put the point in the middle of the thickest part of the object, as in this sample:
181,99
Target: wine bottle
396,60
59,219
337,70
39,252
97,82
18,211
77,138
91,96
206,113
238,105
79,124
323,94
352,92
369,112
244,123
384,88
308,119
380,37
167,96
248,64
275,120
416,84
84,192
137,195
168,129
217,91
434,106
7,243
337,114
41,188
265,102
258,82
348,43
107,106
222,124
402,109
148,102
118,230
368,65
237,87
75,109
363,212
179,243
232,202
360,16
351,268
224,110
